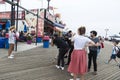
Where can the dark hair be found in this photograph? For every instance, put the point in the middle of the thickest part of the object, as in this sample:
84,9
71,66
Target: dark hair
69,31
94,32
55,35
116,41
81,30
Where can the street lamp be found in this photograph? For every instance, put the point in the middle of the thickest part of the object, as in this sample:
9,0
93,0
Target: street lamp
106,30
48,5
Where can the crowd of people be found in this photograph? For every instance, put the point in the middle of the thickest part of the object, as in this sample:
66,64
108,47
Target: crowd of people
76,46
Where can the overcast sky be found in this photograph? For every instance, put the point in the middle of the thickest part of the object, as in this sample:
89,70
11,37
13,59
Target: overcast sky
94,14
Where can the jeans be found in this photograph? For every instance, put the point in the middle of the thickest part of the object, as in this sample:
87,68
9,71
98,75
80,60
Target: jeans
92,56
69,56
61,54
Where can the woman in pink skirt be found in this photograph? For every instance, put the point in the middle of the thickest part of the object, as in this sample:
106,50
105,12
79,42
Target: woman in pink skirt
78,64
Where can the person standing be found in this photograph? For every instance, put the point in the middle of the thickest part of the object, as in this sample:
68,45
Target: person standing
68,38
63,48
101,45
93,52
11,41
78,63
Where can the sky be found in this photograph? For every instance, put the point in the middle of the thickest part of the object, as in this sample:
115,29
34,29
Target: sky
93,14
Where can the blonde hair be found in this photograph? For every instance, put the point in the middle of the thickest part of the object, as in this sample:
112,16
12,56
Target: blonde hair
12,27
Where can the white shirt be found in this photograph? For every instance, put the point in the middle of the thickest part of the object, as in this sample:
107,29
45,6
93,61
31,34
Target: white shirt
80,42
11,37
115,49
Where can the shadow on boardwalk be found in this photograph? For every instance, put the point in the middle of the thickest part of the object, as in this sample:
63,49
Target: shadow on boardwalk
39,64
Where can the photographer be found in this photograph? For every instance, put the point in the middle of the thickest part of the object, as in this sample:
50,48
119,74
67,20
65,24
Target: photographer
63,48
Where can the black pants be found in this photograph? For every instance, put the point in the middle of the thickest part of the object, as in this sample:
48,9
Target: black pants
92,56
70,52
61,54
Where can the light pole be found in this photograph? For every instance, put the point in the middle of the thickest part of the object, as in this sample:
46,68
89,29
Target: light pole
48,5
12,14
106,30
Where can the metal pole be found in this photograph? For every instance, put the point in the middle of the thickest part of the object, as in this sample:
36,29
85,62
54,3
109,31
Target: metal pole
37,26
48,5
12,14
17,23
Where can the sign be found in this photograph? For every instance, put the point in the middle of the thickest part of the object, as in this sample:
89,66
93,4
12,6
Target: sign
32,21
41,23
2,2
50,16
30,18
7,15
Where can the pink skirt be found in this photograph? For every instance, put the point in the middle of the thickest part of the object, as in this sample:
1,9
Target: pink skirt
78,63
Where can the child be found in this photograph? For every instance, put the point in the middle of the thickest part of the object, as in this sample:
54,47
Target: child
114,52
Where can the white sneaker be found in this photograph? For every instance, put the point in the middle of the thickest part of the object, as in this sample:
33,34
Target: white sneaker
76,79
57,66
62,68
10,57
71,74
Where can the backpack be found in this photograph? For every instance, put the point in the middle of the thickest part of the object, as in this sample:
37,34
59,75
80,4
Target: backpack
118,52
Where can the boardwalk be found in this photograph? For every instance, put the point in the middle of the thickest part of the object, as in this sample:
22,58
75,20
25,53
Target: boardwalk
39,64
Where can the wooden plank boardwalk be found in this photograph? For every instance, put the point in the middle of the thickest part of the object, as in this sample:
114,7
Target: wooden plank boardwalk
39,64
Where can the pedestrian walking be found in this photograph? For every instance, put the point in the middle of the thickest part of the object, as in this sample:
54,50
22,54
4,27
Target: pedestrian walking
114,52
63,49
11,41
78,63
93,52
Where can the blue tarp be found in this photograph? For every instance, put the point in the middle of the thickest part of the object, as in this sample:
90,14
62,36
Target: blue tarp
25,28
7,26
0,27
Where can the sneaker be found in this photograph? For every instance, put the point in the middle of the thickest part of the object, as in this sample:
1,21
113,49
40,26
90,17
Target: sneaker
10,57
57,66
76,79
95,73
119,66
71,74
62,68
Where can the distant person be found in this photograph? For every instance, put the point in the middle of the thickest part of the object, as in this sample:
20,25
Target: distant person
78,63
22,36
92,56
11,40
114,52
101,45
63,48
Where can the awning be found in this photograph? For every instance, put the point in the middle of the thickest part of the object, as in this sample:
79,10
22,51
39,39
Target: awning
54,28
55,24
58,25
